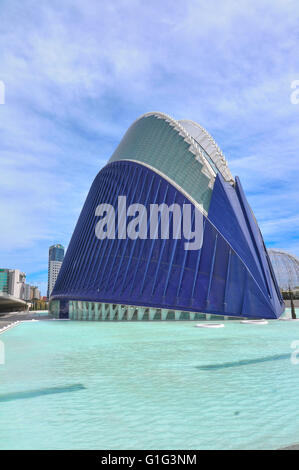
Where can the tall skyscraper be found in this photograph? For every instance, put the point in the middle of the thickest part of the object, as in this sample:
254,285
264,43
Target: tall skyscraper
56,255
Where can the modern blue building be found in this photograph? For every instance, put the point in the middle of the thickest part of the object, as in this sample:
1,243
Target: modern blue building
163,161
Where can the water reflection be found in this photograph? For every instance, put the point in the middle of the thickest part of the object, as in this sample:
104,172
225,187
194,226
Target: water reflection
40,392
244,362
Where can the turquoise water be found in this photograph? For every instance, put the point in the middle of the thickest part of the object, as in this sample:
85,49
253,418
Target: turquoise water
118,385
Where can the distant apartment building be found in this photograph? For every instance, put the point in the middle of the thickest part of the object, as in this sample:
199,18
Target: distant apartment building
12,281
56,255
4,277
35,293
17,283
27,292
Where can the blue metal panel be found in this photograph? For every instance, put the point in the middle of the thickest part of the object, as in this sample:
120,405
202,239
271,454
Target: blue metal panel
158,273
231,215
259,245
226,214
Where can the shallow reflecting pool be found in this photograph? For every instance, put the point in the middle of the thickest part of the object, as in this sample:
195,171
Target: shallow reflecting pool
117,385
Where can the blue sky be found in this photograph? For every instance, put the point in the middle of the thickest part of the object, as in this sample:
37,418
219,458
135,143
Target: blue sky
77,73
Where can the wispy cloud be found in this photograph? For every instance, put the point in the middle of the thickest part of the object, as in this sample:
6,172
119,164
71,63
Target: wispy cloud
78,73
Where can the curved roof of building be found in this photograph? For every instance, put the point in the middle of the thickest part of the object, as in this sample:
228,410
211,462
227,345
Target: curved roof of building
181,151
286,268
209,147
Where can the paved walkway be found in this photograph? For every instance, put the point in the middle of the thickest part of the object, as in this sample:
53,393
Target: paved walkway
7,318
288,303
